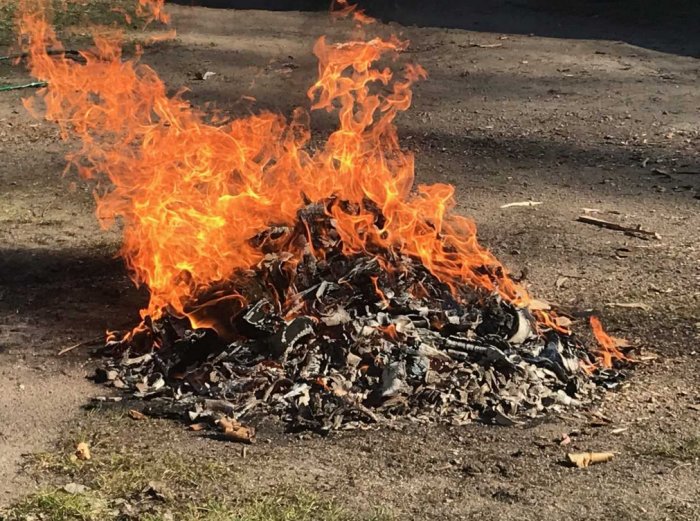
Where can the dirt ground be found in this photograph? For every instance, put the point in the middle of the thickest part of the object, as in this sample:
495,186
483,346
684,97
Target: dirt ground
573,122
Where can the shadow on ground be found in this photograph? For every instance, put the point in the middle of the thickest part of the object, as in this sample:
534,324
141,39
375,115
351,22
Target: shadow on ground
45,295
661,26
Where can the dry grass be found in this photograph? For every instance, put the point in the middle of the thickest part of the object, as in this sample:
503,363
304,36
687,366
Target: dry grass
58,505
122,474
119,470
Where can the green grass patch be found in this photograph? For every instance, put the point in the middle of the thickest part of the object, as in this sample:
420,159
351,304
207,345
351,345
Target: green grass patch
7,16
139,471
57,505
298,506
118,469
72,16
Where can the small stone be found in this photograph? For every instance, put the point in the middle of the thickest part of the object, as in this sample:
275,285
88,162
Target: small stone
75,488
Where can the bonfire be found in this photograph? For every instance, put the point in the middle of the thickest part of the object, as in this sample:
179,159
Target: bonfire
319,284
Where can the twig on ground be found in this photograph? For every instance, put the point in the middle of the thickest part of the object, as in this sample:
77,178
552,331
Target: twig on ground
681,465
85,343
630,305
486,45
634,230
522,203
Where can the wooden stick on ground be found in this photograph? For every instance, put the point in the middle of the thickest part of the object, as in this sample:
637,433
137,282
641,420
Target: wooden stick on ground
90,342
618,227
521,203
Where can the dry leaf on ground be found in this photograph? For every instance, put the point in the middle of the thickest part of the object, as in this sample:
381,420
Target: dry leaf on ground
584,459
234,431
82,451
137,415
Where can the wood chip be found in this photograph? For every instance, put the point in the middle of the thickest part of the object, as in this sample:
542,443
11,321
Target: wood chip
234,431
562,321
82,451
240,433
619,430
629,305
632,230
136,415
198,426
585,459
522,203
561,281
599,420
649,357
486,45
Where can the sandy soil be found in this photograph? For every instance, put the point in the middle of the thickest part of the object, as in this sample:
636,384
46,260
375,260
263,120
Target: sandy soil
572,122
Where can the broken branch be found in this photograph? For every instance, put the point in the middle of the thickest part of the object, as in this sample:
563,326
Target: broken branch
633,230
486,45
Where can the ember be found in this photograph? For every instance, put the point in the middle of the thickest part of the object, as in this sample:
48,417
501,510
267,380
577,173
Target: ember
319,286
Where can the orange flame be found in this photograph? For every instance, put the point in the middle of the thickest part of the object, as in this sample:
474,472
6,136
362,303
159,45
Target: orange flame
378,291
342,9
190,195
152,10
608,351
390,331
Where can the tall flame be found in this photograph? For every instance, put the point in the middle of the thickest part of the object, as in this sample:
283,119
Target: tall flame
191,194
152,10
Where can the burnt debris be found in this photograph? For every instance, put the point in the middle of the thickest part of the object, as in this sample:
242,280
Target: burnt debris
362,339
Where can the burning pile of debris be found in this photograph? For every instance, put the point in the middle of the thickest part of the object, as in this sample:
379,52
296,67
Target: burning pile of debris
364,338
318,283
